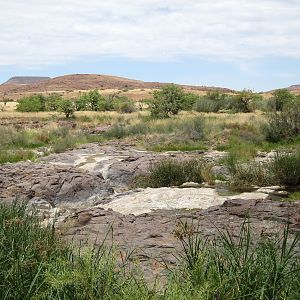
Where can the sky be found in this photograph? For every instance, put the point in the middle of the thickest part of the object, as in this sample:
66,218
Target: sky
231,43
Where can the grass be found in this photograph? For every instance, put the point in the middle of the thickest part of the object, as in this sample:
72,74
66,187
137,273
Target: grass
283,169
36,264
15,156
240,134
18,144
295,196
228,268
171,173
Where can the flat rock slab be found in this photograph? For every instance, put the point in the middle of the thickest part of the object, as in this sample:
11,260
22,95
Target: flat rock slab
148,200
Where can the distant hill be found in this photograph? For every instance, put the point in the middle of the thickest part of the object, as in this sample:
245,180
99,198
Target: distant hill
84,82
21,80
294,88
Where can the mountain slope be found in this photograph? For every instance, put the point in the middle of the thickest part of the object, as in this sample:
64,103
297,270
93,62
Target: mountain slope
88,82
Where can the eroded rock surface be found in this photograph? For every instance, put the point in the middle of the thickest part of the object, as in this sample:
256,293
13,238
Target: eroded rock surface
152,234
53,183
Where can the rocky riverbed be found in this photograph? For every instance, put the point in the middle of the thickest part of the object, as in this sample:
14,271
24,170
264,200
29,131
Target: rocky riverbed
85,191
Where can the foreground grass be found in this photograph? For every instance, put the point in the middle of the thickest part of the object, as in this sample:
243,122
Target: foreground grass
36,264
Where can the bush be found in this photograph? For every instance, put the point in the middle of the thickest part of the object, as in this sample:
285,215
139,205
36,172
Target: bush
67,107
280,99
283,125
167,101
32,103
124,105
171,173
283,169
194,129
52,102
244,101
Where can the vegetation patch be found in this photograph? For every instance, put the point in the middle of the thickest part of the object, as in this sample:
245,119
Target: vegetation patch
168,173
283,169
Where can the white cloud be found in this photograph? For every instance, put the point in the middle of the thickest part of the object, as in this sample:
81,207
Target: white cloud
38,32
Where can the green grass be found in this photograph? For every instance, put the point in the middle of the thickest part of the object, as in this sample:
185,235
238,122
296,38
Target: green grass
171,173
228,268
18,144
283,169
176,147
295,196
36,264
14,156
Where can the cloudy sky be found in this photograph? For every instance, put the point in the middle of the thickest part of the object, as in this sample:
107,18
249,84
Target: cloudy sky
234,43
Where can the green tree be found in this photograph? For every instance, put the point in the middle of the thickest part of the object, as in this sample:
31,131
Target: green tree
280,99
244,100
33,103
67,107
167,101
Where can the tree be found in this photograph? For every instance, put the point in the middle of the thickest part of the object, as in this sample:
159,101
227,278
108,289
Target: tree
167,101
281,98
33,103
243,100
67,107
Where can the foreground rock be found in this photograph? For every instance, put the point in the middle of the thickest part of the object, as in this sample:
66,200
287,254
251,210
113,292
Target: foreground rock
152,234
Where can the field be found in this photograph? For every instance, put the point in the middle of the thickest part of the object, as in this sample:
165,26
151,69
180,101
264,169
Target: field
95,204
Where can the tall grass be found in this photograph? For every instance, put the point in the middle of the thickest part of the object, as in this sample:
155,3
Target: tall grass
228,268
171,173
36,264
283,169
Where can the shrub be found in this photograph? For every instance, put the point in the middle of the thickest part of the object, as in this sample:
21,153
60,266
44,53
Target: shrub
283,169
194,129
280,99
167,101
67,107
244,101
283,125
171,173
33,103
206,105
52,102
124,105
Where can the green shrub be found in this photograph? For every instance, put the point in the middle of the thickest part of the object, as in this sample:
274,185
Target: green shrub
213,101
283,169
280,99
283,125
194,129
52,102
33,103
171,173
167,101
244,101
67,107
